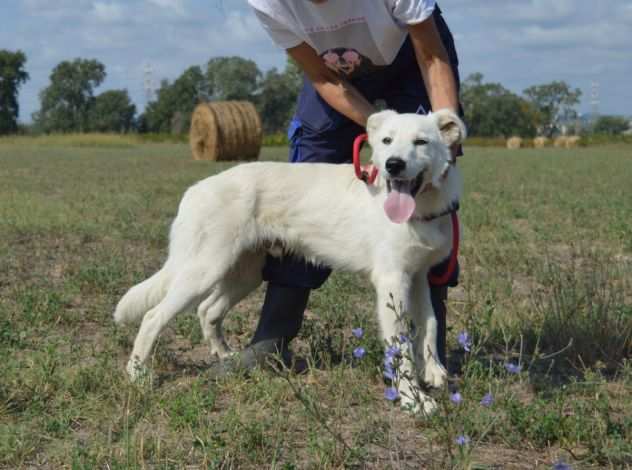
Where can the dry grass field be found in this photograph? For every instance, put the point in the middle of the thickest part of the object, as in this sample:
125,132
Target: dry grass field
545,296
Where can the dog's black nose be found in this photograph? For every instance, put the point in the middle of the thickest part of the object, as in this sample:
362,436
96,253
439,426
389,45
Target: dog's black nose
395,165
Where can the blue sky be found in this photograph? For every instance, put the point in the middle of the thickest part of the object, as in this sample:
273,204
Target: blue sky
515,42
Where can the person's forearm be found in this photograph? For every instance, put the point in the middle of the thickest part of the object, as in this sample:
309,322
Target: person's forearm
332,87
435,67
440,84
345,98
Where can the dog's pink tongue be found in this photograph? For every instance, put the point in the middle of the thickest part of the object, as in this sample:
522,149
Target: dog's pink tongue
399,205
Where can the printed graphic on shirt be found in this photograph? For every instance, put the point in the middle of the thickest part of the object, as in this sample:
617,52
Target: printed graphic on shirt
347,62
359,57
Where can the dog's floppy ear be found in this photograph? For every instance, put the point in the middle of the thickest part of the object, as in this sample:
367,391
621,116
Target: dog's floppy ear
376,119
451,127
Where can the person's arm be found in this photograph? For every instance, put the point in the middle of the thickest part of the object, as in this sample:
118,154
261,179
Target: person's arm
332,87
434,64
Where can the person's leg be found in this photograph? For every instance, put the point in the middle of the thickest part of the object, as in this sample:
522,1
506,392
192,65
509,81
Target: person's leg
290,281
438,297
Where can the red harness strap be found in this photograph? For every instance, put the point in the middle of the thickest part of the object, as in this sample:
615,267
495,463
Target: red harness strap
443,279
368,174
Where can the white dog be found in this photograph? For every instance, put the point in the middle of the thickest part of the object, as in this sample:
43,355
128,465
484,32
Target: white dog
394,231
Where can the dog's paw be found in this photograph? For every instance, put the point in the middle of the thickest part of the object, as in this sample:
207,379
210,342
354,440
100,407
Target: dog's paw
423,405
434,374
138,373
219,349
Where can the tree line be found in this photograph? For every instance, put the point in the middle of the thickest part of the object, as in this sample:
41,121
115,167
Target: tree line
70,104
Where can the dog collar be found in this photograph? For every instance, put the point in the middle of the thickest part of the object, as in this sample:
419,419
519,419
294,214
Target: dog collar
452,208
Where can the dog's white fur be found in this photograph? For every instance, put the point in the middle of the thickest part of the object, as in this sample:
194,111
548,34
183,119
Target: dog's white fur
228,222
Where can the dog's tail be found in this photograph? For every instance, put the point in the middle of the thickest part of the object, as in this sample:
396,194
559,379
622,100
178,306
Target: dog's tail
142,297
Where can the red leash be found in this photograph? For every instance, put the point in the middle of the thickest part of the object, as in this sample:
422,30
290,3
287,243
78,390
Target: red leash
368,174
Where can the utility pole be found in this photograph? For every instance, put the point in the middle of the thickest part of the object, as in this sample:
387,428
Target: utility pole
594,99
148,82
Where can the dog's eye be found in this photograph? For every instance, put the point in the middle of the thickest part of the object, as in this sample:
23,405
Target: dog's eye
420,142
387,140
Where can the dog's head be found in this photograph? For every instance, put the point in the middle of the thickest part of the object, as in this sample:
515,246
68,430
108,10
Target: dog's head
412,152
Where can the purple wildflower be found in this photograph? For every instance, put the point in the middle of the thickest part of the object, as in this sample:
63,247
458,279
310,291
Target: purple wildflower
357,332
388,361
462,440
465,341
391,394
389,373
359,352
456,398
513,368
393,351
403,338
487,400
561,465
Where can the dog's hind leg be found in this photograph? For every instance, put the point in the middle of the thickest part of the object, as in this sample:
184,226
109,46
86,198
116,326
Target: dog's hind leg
186,289
217,301
242,280
213,310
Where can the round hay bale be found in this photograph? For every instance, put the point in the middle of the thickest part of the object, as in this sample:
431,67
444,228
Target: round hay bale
225,130
514,143
572,142
560,142
540,142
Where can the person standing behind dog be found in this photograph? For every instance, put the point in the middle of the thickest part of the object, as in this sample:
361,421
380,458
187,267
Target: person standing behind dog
352,53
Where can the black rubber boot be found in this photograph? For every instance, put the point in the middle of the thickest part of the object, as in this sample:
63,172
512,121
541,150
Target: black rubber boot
255,355
281,319
438,296
282,313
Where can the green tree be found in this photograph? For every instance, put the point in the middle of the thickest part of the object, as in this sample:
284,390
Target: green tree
12,76
493,111
175,102
66,102
277,97
611,125
555,102
112,111
232,78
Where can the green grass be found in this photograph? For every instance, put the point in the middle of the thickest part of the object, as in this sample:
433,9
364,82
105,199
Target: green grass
546,261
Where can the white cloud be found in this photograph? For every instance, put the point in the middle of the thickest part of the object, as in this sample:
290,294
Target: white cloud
599,34
108,12
56,8
625,13
540,11
239,27
176,6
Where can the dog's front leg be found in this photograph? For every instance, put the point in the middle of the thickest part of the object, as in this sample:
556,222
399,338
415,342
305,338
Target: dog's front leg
425,335
393,307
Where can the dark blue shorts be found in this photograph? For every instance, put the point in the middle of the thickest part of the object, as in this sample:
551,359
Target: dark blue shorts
319,133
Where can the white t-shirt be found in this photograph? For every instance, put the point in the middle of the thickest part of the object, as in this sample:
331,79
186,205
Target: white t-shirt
352,36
